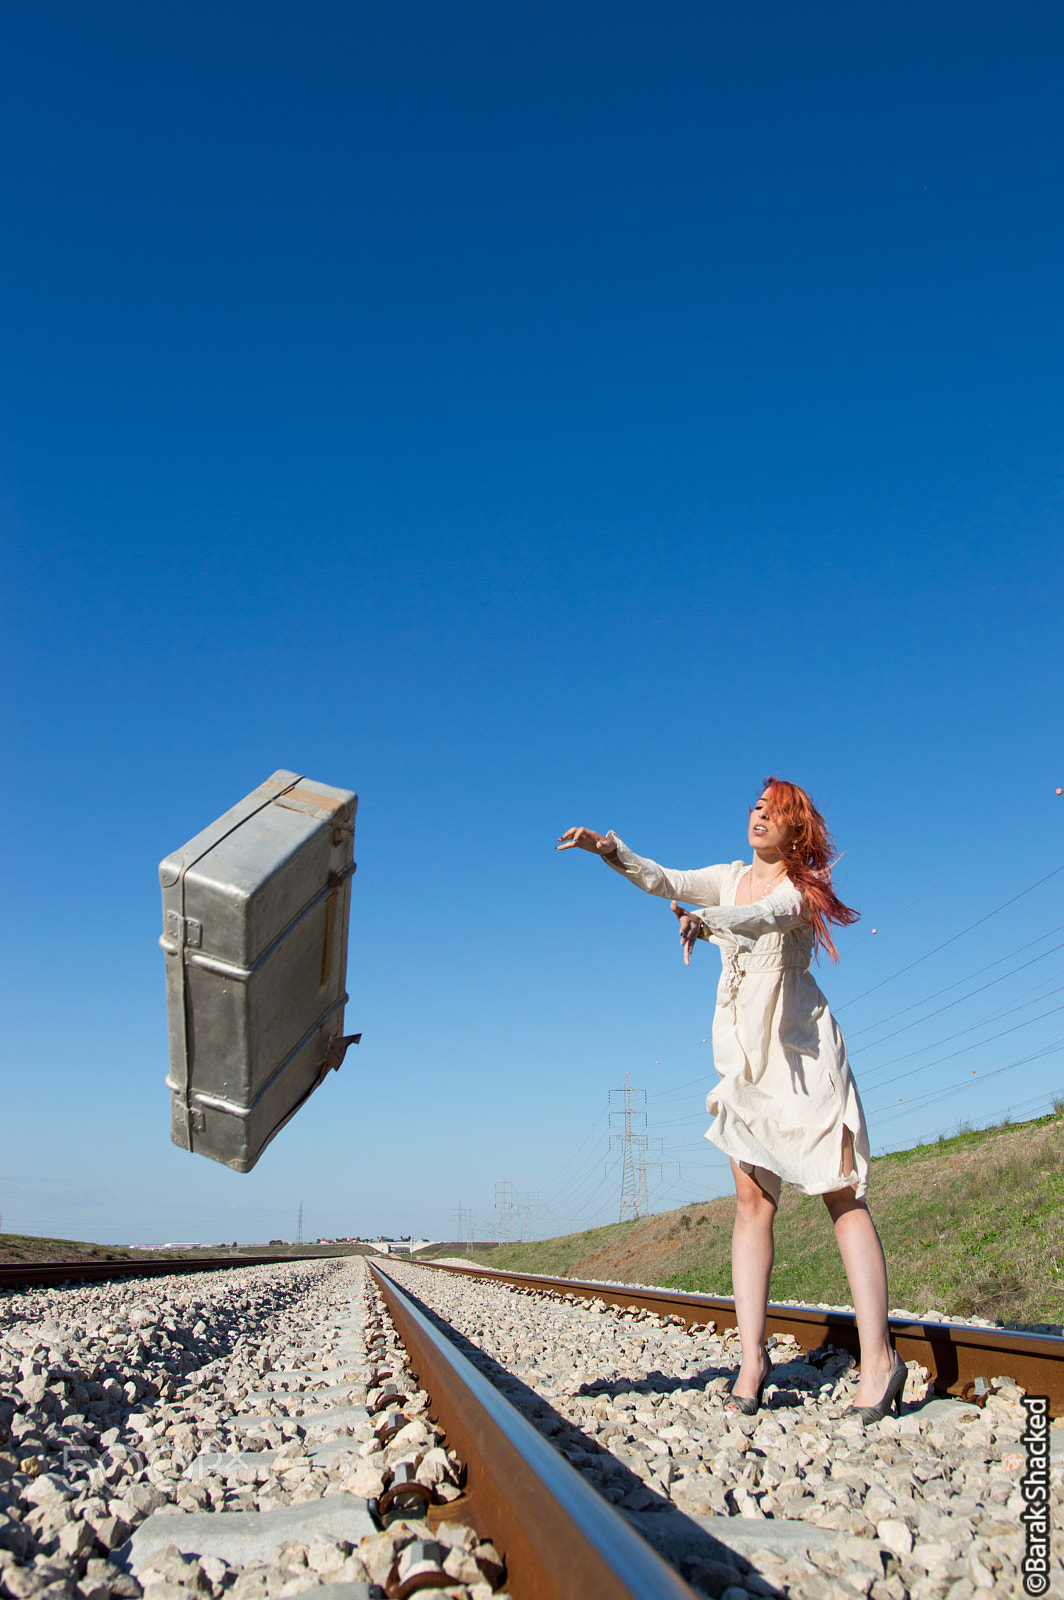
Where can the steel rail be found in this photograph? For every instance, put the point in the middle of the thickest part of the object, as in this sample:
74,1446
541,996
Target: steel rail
559,1538
29,1274
954,1353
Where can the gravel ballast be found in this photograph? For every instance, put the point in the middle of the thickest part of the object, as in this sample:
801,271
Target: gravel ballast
213,1435
256,1433
799,1500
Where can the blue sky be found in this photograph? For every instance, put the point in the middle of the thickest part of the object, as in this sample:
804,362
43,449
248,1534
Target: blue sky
524,416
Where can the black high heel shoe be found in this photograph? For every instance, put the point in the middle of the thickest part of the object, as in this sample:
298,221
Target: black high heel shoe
750,1408
891,1397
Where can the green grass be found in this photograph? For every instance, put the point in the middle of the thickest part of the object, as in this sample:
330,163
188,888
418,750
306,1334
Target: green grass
972,1226
557,1257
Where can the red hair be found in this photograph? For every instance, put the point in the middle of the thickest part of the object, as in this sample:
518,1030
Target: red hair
809,859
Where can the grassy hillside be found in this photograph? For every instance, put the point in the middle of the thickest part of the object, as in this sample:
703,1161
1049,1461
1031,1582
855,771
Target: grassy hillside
972,1226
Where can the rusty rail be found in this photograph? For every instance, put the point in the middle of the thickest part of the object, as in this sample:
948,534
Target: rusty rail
954,1354
30,1274
558,1537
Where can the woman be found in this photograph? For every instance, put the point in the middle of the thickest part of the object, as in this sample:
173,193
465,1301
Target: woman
786,1108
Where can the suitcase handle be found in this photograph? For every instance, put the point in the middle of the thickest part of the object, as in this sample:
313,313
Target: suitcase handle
338,1049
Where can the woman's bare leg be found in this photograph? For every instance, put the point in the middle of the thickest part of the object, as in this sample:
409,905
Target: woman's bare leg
752,1252
866,1269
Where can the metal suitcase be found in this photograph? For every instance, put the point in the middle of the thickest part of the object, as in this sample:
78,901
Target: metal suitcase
255,916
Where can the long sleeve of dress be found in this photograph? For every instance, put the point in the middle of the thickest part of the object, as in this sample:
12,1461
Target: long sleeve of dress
702,885
779,912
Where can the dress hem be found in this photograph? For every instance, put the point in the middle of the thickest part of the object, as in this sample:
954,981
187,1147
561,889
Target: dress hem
858,1181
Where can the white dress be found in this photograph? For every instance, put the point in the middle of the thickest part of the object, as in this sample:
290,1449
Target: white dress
786,1107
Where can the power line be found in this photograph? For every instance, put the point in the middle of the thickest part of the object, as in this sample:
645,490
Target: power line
995,1016
574,1153
993,1119
579,1176
667,1094
869,1026
929,953
943,1094
587,1181
885,922
952,1056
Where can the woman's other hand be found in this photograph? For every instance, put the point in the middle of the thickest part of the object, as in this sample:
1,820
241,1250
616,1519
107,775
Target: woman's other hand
690,928
586,839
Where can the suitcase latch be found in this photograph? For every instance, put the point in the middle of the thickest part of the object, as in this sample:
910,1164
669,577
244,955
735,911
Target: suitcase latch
184,930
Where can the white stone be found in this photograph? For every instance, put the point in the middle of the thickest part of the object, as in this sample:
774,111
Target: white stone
896,1536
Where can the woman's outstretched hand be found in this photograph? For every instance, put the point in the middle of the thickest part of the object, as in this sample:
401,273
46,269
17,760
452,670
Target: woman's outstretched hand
586,839
690,927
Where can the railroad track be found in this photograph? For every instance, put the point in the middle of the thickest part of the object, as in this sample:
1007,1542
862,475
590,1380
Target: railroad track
23,1274
964,1525
955,1354
561,1540
559,1537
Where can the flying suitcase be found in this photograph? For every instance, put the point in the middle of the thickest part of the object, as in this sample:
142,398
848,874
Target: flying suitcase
255,917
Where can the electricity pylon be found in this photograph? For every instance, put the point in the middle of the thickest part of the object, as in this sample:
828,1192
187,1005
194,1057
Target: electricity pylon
527,1203
504,1211
635,1198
